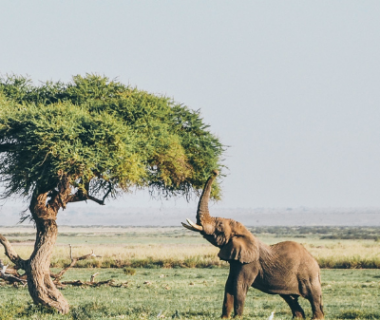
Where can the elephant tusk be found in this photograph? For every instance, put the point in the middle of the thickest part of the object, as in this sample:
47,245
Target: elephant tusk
188,227
194,225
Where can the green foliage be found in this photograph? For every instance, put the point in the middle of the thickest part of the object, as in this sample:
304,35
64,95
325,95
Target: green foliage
104,135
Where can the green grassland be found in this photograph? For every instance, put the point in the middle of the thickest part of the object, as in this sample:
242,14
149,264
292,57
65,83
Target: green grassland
192,294
186,279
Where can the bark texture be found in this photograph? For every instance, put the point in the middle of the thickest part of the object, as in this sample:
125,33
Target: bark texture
40,285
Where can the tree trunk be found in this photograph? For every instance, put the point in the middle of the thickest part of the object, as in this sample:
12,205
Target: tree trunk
44,207
40,284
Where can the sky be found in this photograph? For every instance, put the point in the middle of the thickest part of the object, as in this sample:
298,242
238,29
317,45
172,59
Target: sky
291,87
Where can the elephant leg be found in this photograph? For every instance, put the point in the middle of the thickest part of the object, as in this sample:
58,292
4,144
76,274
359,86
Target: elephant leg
241,289
228,302
315,298
244,276
227,305
292,301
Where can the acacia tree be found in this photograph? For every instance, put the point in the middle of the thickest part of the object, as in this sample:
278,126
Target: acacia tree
91,139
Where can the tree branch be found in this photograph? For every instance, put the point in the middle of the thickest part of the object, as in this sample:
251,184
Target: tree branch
12,254
8,277
108,192
58,276
92,279
81,196
101,202
104,197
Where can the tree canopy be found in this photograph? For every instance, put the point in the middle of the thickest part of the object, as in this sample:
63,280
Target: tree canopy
90,139
107,137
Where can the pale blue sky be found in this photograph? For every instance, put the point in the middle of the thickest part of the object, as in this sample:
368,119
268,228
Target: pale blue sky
293,87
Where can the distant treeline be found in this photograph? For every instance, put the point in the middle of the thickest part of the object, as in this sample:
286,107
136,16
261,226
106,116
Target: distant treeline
321,232
370,233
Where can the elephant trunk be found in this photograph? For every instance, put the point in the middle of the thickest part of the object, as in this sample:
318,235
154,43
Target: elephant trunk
202,213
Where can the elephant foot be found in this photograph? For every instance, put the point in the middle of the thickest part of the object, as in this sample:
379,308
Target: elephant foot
298,315
318,315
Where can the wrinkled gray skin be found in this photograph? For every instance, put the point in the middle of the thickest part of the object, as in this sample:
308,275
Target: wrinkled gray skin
285,268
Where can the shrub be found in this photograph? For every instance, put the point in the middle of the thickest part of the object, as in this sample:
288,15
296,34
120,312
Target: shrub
129,271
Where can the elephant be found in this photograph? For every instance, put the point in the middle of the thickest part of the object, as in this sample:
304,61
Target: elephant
285,268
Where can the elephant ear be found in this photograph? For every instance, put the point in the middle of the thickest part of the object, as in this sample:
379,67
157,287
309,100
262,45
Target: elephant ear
243,248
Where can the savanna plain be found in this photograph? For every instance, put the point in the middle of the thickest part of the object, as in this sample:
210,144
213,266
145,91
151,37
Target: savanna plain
172,273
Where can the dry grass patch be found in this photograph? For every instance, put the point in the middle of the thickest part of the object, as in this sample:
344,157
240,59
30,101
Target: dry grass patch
174,247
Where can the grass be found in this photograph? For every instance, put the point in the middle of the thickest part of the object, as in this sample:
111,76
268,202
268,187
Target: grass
166,247
192,294
187,279
129,271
